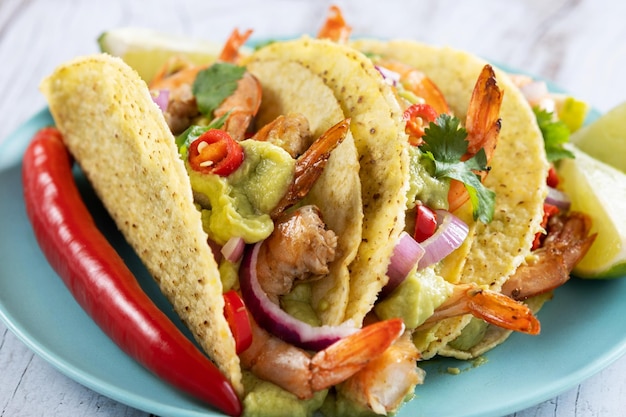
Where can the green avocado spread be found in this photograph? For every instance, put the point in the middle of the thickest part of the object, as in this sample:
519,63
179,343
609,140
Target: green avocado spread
266,399
239,204
423,187
416,298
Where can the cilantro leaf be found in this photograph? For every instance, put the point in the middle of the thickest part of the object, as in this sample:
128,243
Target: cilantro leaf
445,144
555,134
214,84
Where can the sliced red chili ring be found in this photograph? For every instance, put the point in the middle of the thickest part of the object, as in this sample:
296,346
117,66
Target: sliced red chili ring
215,152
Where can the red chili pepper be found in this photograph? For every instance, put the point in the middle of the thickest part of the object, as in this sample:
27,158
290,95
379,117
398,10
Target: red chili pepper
425,223
417,117
238,320
215,152
103,285
549,210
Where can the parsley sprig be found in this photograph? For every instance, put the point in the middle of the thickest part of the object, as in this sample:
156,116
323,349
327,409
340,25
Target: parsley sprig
444,145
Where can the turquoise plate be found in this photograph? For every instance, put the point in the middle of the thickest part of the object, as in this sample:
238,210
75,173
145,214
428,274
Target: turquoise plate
522,372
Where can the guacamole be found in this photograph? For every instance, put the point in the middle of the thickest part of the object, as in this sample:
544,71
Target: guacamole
266,399
416,298
423,187
239,204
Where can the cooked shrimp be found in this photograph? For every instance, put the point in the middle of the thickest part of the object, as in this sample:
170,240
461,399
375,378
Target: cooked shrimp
383,384
243,105
335,27
483,126
491,306
178,75
230,50
566,243
300,247
301,373
417,83
291,132
310,165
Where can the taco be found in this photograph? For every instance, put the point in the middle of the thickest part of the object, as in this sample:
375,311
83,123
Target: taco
152,186
146,164
363,79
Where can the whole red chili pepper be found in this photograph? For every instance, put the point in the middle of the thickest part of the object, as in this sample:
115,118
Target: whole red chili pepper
103,285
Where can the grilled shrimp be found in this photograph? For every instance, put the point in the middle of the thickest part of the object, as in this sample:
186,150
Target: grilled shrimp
383,384
483,127
290,132
303,373
177,77
300,247
566,243
310,165
491,306
335,27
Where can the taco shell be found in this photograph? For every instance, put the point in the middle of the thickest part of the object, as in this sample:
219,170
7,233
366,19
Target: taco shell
518,171
120,138
379,139
290,87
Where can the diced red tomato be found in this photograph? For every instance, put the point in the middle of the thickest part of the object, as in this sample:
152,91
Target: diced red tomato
553,177
549,210
237,317
425,223
215,152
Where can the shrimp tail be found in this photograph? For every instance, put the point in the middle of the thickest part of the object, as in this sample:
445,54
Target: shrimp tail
310,165
483,115
491,306
502,311
230,50
335,27
346,357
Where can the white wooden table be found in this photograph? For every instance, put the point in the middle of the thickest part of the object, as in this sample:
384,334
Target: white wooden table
579,44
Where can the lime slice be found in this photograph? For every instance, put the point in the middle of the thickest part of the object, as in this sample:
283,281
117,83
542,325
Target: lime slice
146,50
605,139
599,190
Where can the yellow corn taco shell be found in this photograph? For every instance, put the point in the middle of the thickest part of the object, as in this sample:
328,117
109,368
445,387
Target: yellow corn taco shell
518,171
290,87
120,138
379,139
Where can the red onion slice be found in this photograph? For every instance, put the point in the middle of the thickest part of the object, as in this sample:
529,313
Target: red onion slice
406,254
450,234
391,77
233,249
161,98
276,321
558,198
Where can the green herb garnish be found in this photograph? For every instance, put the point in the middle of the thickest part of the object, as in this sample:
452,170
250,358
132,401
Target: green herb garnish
214,84
445,144
555,135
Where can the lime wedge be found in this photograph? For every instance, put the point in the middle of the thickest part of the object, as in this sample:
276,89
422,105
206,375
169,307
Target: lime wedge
146,50
599,190
605,138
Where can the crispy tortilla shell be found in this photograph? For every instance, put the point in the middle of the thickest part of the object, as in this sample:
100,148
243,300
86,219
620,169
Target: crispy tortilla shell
290,87
383,157
519,169
120,138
